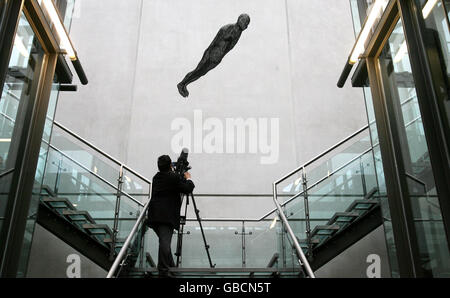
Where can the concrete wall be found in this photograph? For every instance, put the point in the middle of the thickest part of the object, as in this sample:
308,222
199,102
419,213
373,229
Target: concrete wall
366,258
50,257
285,66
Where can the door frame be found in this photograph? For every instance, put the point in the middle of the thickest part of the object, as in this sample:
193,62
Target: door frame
405,236
33,115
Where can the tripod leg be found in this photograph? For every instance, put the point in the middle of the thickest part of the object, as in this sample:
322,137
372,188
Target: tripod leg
181,233
179,245
201,229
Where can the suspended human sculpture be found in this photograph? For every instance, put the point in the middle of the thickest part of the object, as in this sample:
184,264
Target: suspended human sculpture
225,40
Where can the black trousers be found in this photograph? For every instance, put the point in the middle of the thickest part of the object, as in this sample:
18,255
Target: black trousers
165,259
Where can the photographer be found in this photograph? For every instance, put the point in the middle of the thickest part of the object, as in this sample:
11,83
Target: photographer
164,209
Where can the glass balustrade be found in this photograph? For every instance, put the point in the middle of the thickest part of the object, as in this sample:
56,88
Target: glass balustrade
95,192
310,197
233,243
325,194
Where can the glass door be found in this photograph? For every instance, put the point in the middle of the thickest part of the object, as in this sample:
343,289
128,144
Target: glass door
28,60
399,92
19,90
26,57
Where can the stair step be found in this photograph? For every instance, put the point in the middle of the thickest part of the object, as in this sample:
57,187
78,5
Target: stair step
343,218
98,231
304,243
322,233
325,230
47,191
371,193
58,204
75,215
119,243
361,206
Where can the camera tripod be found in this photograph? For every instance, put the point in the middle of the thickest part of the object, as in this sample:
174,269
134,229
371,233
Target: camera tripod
178,252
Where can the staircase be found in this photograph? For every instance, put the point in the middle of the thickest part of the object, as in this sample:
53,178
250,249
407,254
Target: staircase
97,205
332,200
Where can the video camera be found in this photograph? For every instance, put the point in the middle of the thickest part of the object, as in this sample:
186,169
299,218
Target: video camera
181,166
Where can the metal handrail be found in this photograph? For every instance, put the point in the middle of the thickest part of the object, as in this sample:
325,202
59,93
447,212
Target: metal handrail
303,261
119,163
124,249
7,172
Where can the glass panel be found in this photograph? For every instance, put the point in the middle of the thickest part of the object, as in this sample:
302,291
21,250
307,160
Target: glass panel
66,9
91,159
325,166
151,244
401,97
233,244
225,244
25,58
135,186
260,243
86,191
89,192
356,16
360,9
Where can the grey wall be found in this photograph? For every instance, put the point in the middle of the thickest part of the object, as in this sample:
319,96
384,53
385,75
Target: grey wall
50,257
285,66
358,261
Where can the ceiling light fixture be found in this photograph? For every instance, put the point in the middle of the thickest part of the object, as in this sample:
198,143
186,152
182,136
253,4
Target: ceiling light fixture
65,43
377,9
359,48
428,8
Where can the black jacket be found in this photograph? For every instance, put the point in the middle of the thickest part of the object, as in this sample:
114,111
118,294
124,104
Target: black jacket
165,203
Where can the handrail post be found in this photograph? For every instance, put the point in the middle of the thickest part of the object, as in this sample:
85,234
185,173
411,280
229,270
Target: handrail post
124,249
283,244
302,259
363,177
307,219
243,245
242,234
58,175
116,214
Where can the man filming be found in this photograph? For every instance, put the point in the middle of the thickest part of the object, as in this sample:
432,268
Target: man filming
164,209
